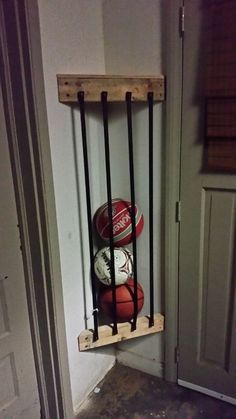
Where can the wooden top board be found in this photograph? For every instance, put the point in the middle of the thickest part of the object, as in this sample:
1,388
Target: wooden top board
116,86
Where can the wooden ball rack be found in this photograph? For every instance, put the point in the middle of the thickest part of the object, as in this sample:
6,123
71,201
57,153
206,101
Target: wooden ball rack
103,90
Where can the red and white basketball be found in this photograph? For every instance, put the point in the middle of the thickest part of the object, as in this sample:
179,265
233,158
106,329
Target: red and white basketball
121,221
124,301
123,263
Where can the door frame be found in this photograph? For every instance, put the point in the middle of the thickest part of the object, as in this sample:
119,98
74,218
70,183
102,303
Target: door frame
28,138
173,66
36,183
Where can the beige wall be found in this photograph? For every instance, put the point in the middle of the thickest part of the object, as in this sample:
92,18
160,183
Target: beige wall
132,40
97,37
72,41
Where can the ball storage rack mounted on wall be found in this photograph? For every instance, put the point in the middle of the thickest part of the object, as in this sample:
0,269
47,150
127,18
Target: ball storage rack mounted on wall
105,89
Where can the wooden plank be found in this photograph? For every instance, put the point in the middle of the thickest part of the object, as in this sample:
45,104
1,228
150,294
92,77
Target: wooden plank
221,120
221,149
219,164
220,131
85,339
216,59
222,45
226,70
116,86
222,106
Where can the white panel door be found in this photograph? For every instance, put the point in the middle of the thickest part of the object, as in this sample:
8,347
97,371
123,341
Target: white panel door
207,293
18,387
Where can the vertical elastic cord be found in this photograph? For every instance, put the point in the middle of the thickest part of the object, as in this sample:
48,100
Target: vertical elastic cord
132,192
150,114
89,215
109,200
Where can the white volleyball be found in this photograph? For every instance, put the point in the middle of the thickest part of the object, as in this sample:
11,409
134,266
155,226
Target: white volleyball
123,265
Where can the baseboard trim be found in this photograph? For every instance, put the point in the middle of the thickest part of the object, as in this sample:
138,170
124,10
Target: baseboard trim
138,362
204,390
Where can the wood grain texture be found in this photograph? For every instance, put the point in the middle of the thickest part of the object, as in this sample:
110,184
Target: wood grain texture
115,86
219,164
220,49
106,337
221,134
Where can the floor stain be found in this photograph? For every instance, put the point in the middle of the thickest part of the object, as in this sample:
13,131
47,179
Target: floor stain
126,393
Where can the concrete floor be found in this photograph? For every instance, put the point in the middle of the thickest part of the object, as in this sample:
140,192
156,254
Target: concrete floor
126,393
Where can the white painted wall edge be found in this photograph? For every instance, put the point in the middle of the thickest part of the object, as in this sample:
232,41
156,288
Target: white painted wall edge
85,400
207,391
133,360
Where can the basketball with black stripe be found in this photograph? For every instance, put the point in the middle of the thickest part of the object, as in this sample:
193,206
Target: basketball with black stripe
124,301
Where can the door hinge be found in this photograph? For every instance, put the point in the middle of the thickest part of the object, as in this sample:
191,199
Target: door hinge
178,212
177,355
181,21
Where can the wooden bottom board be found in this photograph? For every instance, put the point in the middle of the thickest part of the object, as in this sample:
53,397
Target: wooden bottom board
106,337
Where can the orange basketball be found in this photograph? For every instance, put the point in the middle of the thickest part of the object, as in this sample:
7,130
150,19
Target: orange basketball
124,301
